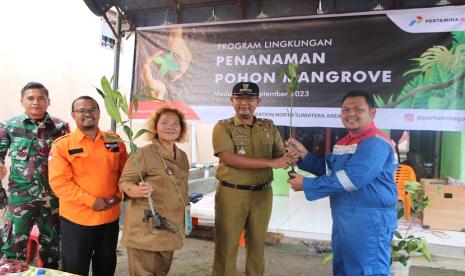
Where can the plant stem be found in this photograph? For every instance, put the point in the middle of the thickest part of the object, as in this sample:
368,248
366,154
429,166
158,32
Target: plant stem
290,124
136,161
291,115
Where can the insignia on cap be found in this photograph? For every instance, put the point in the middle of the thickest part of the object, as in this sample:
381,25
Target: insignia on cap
245,88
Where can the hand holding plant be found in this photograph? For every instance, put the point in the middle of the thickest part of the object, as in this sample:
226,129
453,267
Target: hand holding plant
290,74
115,105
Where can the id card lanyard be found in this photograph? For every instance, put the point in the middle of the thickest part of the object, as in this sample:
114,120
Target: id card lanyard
187,212
170,173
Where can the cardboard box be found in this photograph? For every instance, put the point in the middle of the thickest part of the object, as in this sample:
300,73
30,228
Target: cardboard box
447,205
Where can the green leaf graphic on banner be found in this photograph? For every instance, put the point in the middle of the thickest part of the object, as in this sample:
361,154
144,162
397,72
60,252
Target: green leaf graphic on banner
459,38
439,79
379,102
167,63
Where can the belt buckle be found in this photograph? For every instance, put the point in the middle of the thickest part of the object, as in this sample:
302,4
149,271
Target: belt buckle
254,187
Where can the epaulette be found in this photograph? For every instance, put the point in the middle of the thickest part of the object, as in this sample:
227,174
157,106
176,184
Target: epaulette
57,120
264,120
110,134
226,121
61,137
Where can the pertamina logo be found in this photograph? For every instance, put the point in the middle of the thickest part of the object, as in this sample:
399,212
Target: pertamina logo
417,20
421,19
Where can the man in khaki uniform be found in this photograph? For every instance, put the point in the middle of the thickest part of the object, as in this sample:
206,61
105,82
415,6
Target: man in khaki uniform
248,149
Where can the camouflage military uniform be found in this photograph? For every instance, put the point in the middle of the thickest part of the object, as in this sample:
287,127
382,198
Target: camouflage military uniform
30,199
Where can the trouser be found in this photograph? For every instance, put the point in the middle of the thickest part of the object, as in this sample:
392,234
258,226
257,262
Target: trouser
236,210
80,244
18,224
149,263
361,240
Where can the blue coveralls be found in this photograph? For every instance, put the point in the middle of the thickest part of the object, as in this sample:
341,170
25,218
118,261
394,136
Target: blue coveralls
358,178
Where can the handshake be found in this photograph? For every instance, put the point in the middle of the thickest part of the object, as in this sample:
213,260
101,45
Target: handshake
294,151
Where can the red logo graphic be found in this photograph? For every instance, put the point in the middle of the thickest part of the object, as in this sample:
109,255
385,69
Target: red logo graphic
409,117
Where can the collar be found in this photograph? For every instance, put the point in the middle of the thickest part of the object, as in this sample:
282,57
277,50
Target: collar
238,122
26,119
367,131
163,151
80,135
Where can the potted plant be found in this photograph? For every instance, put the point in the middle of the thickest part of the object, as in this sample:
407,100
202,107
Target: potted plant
406,244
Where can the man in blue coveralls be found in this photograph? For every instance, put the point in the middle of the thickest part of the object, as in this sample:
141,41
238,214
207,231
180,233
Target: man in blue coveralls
358,178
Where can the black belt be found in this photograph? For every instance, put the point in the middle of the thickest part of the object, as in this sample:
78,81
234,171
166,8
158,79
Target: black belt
259,187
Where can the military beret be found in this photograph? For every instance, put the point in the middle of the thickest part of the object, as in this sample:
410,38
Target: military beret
245,88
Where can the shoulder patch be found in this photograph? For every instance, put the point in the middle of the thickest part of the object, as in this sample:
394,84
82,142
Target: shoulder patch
226,121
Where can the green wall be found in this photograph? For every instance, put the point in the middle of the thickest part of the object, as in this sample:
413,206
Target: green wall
453,155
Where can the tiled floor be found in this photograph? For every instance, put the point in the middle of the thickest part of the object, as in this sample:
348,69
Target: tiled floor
296,217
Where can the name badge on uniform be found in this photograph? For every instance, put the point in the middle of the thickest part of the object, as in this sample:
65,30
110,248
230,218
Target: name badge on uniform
240,134
112,146
75,151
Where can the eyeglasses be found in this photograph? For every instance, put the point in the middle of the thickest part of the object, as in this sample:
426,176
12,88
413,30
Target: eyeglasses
248,99
84,111
357,109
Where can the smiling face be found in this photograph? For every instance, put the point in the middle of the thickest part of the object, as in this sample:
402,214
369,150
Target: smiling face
245,106
86,114
35,103
356,115
168,127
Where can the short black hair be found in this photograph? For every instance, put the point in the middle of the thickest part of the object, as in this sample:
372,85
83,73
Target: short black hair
360,93
84,98
34,85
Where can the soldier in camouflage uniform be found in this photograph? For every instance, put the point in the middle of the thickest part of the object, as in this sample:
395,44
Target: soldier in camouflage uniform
28,139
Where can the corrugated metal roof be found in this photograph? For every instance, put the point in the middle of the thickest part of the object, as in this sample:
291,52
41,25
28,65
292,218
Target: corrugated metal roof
142,13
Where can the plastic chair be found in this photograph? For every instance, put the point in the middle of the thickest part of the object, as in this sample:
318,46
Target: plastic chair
404,173
33,246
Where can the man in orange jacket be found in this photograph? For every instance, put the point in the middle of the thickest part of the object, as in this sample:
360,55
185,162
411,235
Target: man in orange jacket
84,169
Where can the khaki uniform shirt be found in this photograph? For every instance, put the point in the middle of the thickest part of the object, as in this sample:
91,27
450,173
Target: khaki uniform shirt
260,140
168,203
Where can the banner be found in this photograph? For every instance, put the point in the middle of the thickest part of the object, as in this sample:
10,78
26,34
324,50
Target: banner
413,61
